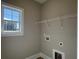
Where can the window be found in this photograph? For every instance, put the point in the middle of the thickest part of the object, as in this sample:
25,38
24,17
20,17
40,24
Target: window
12,20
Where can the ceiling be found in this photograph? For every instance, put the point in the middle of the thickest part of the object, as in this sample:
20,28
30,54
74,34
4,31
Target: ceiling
40,1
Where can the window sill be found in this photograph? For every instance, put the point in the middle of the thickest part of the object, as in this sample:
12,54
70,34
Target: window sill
5,34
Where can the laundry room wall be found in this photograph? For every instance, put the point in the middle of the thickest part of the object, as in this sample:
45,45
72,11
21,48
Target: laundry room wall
67,33
20,47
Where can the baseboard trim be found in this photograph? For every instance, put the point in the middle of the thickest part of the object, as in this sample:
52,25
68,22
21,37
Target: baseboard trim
38,55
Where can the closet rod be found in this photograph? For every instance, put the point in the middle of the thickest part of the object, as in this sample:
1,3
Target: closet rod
57,18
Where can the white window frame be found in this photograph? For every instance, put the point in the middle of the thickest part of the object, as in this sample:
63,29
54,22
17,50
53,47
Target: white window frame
13,33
